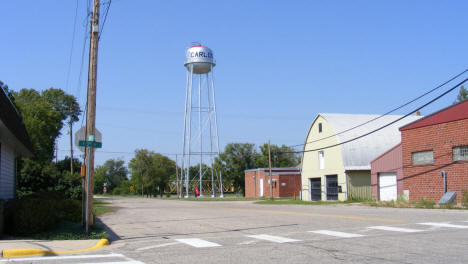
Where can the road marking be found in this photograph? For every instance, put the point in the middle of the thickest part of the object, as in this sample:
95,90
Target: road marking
309,214
336,233
158,246
443,225
248,242
112,255
117,262
276,239
198,243
396,229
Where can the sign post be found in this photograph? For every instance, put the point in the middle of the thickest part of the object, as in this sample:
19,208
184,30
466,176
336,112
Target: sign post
93,141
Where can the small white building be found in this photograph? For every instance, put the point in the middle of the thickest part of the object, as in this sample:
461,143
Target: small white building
14,143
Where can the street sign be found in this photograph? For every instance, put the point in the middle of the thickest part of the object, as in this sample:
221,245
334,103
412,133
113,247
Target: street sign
80,135
90,144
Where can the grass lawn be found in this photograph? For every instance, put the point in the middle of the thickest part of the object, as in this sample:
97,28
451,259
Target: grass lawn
99,207
71,231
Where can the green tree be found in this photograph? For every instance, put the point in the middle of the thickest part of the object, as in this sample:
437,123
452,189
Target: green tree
100,177
44,116
151,171
8,92
462,95
111,174
279,157
233,161
66,183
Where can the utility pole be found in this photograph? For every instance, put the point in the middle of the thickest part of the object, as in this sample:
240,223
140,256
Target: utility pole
91,110
71,142
269,166
177,177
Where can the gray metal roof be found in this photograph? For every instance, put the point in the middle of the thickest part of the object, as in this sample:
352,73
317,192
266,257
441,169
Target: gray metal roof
358,154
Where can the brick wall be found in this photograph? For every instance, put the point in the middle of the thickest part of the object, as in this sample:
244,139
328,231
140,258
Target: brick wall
284,185
425,181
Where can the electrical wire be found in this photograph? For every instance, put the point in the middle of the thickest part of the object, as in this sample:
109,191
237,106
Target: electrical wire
72,46
105,18
380,128
389,112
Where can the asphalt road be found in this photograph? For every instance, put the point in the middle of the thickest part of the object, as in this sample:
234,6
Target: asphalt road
171,231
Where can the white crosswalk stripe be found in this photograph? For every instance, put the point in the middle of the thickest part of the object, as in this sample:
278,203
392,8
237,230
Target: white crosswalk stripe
395,229
276,239
198,243
336,233
444,225
157,246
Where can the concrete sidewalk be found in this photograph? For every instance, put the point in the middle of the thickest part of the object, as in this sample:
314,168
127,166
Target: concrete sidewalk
21,248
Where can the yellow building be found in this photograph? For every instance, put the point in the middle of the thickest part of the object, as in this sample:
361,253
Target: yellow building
336,165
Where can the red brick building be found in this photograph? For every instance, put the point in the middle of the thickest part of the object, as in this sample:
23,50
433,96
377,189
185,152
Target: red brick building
286,182
436,143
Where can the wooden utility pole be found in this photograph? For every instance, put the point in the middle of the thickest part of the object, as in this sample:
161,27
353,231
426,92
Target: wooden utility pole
91,110
269,166
177,179
71,142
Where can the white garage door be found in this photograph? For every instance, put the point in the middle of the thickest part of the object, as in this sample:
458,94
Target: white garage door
388,186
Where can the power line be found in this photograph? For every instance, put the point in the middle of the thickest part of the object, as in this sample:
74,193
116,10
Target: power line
72,46
105,18
387,113
382,127
126,152
83,50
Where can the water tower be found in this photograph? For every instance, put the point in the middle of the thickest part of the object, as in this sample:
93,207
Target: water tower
200,141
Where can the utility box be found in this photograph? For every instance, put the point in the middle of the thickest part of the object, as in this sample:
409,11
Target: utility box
449,197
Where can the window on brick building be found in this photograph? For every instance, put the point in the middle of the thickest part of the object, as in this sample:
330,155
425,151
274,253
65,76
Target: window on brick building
423,157
460,153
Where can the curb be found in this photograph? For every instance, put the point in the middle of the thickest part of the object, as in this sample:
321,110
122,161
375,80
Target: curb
28,252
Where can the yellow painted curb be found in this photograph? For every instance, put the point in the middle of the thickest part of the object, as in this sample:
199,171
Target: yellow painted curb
28,252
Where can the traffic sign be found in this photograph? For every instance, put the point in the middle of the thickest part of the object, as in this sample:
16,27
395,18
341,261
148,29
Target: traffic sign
80,135
90,144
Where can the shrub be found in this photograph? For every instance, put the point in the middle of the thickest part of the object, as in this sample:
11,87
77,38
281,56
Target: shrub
67,210
39,212
423,203
464,198
449,205
29,216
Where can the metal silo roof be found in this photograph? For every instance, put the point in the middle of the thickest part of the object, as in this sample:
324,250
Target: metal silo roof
358,154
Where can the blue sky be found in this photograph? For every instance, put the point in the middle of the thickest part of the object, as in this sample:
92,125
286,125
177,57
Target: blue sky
279,63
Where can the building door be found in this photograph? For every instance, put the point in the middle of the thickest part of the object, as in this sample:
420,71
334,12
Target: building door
261,187
315,189
387,186
332,187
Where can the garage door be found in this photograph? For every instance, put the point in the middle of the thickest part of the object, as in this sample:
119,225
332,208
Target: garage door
388,186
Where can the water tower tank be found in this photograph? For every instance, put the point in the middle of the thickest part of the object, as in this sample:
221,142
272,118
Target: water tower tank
200,59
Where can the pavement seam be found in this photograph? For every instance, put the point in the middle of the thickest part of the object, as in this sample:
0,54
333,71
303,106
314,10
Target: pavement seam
29,252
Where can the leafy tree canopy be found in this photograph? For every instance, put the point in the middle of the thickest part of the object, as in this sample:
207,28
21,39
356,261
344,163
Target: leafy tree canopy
151,170
462,95
44,114
279,157
112,174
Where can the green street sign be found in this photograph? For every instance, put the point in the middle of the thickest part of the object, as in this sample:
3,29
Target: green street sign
89,144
